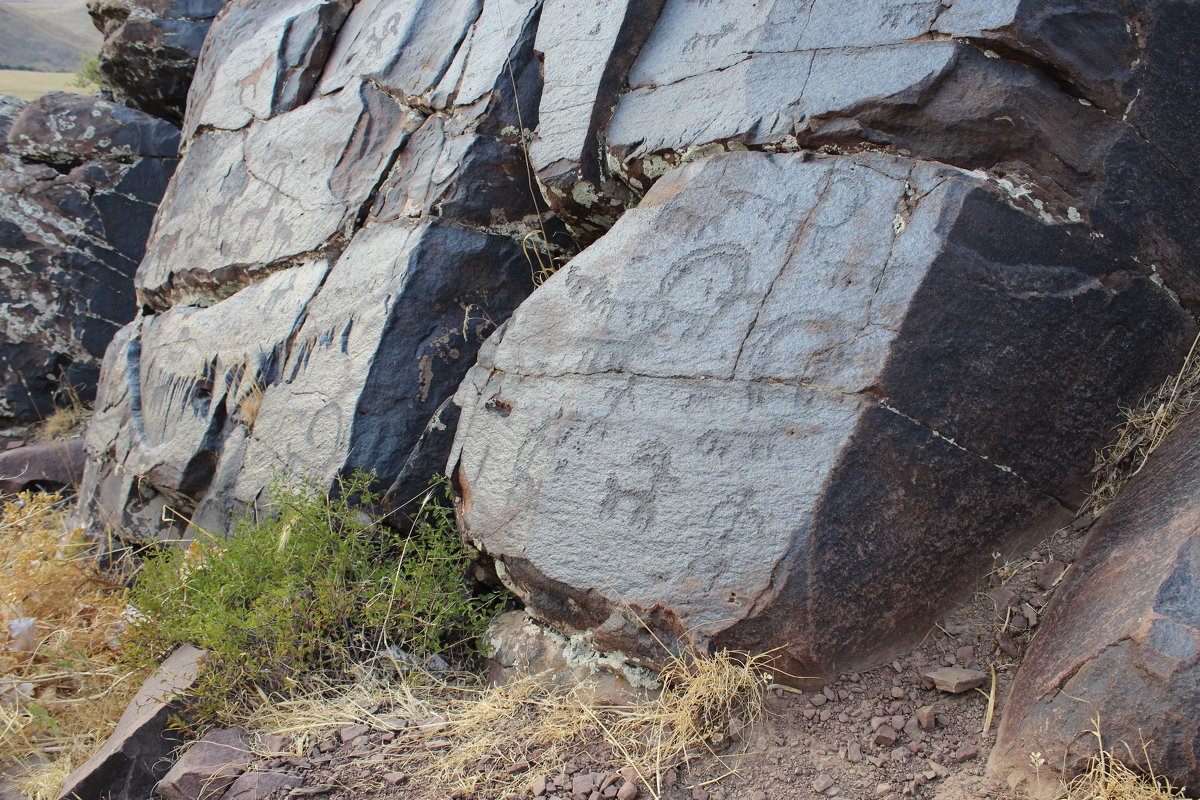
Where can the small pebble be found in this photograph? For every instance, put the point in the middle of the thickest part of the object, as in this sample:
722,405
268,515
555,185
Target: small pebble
885,736
966,752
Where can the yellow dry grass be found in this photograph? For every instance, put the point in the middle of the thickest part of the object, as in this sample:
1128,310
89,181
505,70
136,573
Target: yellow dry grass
1108,778
465,734
66,422
251,404
61,688
1144,429
542,262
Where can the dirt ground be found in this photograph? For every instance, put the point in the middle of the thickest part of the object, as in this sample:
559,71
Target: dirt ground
886,733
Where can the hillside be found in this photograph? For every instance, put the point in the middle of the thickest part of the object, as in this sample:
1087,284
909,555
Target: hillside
50,35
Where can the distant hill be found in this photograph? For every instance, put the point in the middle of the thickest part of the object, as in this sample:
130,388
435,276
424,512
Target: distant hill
50,35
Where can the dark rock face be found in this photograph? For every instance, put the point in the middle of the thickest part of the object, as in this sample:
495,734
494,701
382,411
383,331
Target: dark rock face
345,229
79,182
799,403
150,50
1122,639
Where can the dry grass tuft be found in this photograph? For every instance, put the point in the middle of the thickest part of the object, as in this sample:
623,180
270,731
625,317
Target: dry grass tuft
494,740
1108,778
66,422
1144,429
251,404
311,710
61,687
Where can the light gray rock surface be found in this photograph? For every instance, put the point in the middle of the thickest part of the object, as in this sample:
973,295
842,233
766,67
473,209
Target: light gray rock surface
342,234
1074,104
301,371
263,61
79,182
798,403
245,202
587,47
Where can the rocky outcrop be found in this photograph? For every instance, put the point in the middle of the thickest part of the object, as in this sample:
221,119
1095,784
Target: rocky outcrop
150,50
344,230
1119,649
79,182
887,278
798,403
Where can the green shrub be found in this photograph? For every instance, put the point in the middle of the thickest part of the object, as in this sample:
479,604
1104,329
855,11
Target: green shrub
88,75
315,588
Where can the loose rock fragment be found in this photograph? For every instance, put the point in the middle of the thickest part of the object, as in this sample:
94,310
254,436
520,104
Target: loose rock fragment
884,736
955,680
966,752
927,717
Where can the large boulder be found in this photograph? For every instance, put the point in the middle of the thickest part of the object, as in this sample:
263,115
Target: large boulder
150,50
80,179
798,402
743,426
345,229
1119,650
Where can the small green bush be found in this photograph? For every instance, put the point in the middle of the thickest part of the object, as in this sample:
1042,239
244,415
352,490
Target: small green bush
88,75
316,588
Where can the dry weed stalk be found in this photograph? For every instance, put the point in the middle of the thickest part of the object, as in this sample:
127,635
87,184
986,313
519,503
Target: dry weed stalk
1144,429
1108,778
61,687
